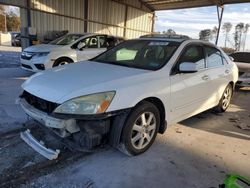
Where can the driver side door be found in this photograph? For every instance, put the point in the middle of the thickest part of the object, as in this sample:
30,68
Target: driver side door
94,46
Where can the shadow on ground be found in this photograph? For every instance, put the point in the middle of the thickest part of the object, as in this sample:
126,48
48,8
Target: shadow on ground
235,122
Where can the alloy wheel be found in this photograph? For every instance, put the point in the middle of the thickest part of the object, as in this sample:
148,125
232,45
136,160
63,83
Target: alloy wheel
143,130
226,98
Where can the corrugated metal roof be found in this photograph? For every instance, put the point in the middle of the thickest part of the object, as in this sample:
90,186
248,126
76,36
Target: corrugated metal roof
179,4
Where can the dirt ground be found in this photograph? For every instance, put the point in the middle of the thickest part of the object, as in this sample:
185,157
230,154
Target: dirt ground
195,153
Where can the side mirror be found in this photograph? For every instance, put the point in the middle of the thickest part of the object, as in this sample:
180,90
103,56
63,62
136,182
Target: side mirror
187,67
81,45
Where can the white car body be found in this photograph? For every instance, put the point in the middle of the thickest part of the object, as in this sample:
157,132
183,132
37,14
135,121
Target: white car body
55,52
183,95
244,77
242,60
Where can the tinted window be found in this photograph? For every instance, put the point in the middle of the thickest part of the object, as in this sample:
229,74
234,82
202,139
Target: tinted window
214,58
143,54
193,54
93,42
243,57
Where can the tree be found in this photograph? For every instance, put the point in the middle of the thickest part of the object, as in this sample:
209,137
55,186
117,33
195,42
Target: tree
2,18
13,22
226,28
245,31
238,35
214,33
169,32
205,34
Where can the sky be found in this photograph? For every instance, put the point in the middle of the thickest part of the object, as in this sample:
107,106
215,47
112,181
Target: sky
191,21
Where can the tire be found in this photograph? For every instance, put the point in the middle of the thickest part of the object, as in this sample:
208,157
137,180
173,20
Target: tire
141,126
62,61
225,99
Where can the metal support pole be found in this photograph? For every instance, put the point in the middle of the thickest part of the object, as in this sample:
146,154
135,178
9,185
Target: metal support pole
28,14
125,21
153,23
86,12
220,16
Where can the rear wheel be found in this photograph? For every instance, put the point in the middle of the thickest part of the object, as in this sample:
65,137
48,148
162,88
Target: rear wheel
62,61
140,129
225,99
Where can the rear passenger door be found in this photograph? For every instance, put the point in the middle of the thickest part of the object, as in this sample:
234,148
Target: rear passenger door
218,74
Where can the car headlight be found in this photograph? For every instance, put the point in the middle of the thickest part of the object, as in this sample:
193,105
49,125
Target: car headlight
89,104
41,54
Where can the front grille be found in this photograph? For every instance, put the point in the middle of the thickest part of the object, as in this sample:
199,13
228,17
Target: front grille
26,66
38,103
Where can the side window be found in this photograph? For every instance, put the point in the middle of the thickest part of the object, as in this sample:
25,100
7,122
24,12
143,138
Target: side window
214,58
193,54
93,42
102,40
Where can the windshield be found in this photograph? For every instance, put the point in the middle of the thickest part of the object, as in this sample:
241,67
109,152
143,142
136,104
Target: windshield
66,39
143,54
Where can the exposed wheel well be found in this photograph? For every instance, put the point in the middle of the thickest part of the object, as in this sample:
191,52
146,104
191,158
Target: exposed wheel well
158,103
62,58
232,84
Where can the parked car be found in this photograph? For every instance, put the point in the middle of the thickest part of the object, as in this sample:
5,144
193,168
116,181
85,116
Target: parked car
128,94
64,50
15,38
242,60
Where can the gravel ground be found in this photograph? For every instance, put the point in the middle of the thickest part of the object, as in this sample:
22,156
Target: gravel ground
195,153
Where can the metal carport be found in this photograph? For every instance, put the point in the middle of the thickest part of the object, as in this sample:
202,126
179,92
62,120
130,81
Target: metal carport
127,18
156,5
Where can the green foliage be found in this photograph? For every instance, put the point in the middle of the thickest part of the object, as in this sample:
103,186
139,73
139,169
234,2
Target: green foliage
169,32
205,34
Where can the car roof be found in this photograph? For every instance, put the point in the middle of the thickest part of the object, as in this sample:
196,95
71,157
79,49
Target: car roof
174,38
179,40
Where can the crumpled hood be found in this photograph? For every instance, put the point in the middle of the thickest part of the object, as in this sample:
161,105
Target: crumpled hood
41,48
63,83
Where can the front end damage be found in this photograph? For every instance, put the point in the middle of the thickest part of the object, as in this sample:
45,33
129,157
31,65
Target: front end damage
81,133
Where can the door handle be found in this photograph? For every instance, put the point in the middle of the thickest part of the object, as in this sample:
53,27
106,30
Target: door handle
206,77
227,71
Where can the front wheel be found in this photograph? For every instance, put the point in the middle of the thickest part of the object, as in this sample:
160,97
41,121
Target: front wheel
140,129
225,99
62,61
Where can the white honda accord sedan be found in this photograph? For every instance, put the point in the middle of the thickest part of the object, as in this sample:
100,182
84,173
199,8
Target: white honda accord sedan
128,94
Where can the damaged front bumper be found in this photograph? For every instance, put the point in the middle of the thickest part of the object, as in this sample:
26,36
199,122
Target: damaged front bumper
49,121
76,133
39,146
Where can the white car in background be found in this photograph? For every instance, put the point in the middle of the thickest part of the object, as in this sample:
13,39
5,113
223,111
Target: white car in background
128,94
67,49
242,60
